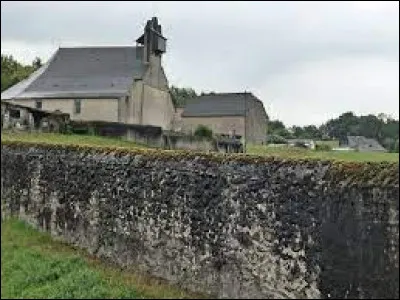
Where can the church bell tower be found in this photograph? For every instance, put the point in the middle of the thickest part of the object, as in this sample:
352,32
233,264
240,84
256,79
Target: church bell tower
152,40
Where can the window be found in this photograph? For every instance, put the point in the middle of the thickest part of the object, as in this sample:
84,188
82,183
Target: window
77,106
39,104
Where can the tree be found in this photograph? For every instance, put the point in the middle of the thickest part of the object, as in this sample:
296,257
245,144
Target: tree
298,131
12,71
180,96
276,127
37,63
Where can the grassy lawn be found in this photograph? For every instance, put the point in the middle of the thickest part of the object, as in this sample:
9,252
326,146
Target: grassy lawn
75,139
35,266
326,155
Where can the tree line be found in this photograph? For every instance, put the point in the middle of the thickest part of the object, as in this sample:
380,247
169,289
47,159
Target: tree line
13,72
383,128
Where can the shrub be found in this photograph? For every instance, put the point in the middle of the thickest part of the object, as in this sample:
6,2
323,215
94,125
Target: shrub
203,131
323,147
276,139
394,148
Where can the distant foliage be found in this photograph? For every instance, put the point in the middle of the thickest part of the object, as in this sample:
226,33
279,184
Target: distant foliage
180,96
277,128
382,128
37,63
13,72
203,131
276,139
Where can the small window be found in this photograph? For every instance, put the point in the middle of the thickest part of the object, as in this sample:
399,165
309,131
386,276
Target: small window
77,106
39,104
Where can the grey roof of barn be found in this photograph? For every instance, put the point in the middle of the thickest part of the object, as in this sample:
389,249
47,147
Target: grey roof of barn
82,72
221,104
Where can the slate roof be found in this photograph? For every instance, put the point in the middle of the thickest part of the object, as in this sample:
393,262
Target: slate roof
221,104
364,144
82,72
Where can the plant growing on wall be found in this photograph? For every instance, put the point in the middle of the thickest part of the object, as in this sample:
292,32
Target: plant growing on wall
203,132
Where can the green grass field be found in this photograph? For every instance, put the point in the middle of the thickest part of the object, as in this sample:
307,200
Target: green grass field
332,144
35,266
283,151
287,152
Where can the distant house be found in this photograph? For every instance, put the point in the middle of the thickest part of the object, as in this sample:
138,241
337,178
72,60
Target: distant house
362,144
114,84
240,115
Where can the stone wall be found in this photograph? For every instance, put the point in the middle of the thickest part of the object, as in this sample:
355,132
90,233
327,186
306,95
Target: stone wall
219,125
233,226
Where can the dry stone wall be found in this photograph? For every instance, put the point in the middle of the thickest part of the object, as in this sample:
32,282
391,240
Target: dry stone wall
232,226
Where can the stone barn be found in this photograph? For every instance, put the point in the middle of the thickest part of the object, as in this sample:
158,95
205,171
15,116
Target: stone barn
113,84
240,115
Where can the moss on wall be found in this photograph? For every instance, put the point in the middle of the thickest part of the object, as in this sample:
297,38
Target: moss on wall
232,225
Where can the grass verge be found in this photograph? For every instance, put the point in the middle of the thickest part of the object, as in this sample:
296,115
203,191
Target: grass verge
35,266
67,139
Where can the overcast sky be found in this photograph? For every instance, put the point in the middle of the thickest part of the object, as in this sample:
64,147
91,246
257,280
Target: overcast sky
307,61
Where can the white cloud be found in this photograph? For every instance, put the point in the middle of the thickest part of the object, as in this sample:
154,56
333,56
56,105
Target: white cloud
315,92
25,53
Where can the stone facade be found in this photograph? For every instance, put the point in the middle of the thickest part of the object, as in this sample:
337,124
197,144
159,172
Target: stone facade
91,109
231,226
219,125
